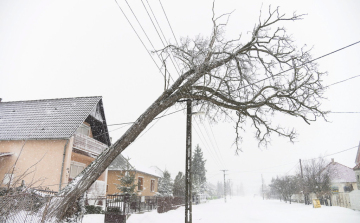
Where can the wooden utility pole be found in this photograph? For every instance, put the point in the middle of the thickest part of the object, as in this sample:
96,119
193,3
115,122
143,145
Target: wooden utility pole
302,184
224,185
229,187
188,196
262,186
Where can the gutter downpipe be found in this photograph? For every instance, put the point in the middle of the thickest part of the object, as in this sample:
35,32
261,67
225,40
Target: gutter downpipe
62,165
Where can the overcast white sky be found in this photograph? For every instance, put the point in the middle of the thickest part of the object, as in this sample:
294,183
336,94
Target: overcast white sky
56,49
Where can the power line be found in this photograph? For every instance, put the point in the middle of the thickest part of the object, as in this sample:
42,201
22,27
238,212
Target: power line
333,153
216,147
345,112
206,144
212,144
139,37
303,65
125,123
128,123
342,81
169,23
159,33
152,22
176,68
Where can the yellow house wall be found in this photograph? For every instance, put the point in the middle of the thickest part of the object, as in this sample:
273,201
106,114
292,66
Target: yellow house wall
113,179
41,160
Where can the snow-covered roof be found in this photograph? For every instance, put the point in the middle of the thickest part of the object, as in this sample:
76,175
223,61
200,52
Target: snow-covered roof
50,118
157,170
340,173
119,163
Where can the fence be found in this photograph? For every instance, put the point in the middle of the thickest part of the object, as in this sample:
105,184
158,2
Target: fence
127,205
25,207
341,199
33,206
135,204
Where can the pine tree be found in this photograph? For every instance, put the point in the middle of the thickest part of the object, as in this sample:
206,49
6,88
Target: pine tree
165,187
179,185
127,180
198,172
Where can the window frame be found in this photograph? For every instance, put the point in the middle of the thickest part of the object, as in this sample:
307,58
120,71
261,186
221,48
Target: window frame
152,185
82,128
140,186
77,164
8,178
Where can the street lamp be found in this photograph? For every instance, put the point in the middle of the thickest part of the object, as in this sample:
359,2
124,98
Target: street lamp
188,195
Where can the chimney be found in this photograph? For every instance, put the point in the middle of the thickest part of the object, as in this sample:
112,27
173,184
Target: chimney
332,160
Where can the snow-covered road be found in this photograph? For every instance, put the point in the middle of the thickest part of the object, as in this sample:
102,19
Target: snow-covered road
240,209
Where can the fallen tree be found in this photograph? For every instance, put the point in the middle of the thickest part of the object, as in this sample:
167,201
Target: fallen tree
227,78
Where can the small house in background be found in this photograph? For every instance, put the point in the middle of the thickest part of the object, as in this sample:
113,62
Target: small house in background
357,168
47,143
147,179
342,177
355,194
342,183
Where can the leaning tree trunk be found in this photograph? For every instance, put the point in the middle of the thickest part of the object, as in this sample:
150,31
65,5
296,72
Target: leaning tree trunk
61,208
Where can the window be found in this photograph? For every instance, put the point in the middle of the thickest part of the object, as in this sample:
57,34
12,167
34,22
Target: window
83,129
8,178
76,168
152,185
140,183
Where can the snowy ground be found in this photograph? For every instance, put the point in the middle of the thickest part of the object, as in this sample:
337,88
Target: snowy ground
241,209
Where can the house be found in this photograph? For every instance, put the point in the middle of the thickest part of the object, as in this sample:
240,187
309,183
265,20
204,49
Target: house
146,178
47,143
342,183
357,168
342,177
355,194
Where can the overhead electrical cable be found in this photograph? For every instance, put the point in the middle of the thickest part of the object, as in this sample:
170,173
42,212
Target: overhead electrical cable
169,23
302,65
139,37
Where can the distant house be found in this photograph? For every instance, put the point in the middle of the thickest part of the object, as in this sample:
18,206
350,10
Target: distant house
47,143
355,195
342,183
342,177
357,168
147,179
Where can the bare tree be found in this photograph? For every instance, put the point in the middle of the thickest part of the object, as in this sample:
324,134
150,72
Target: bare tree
235,79
317,177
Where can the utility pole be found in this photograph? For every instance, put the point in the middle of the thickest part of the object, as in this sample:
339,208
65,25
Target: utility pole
262,186
229,187
188,196
224,185
302,183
